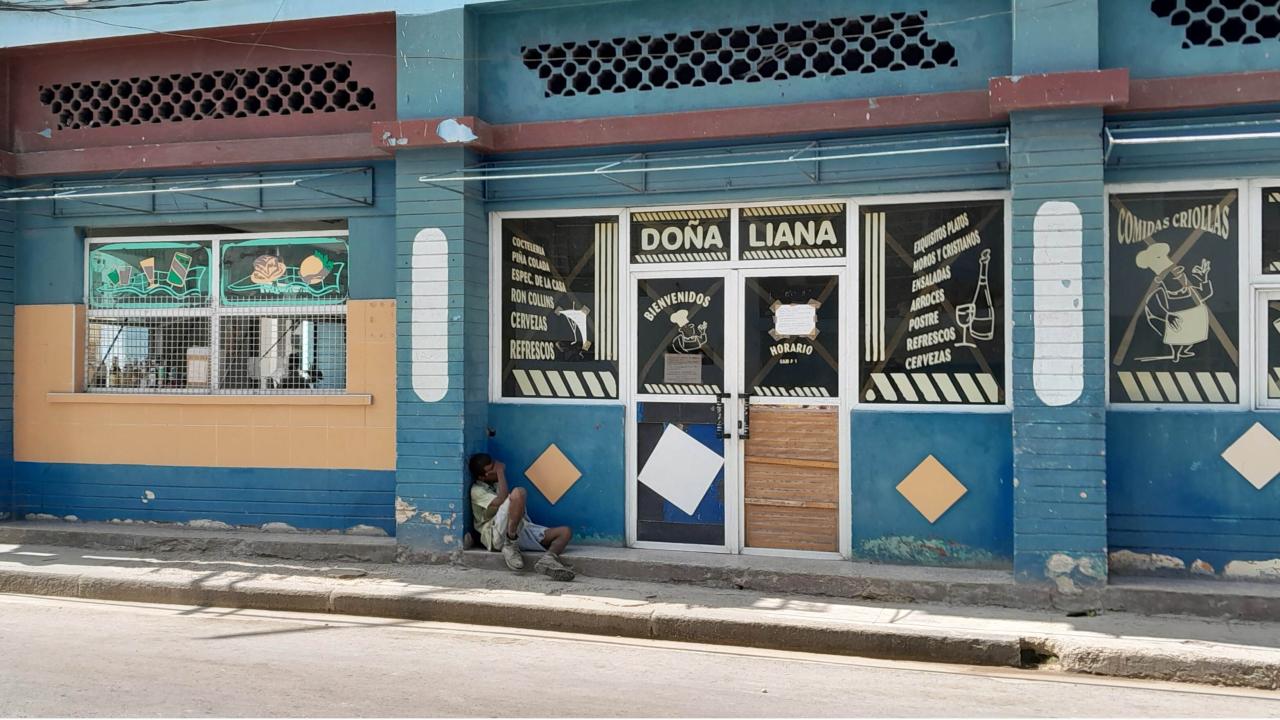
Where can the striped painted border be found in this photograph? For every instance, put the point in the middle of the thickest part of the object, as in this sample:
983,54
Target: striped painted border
873,287
1180,386
818,209
709,214
806,391
781,253
681,257
606,314
974,388
670,389
566,383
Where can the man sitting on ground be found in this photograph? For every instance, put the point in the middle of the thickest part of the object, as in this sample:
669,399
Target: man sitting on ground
500,518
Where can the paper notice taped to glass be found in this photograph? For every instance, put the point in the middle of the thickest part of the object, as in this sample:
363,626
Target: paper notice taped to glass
796,319
678,369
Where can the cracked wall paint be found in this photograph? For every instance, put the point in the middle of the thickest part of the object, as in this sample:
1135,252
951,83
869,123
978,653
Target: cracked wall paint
452,131
1129,561
404,510
147,496
1252,569
1072,575
909,550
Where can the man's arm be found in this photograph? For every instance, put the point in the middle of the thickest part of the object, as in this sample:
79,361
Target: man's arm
503,491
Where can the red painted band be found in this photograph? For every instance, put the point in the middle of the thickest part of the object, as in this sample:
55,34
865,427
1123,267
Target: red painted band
1095,88
697,125
1202,91
138,159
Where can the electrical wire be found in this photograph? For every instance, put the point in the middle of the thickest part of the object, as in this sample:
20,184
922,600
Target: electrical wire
774,48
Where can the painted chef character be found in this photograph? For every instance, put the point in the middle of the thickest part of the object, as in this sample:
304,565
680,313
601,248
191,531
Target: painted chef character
689,339
1176,309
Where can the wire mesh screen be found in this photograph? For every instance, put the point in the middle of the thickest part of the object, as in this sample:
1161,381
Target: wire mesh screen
282,353
151,352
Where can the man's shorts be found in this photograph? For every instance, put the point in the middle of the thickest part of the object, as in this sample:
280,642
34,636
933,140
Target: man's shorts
529,537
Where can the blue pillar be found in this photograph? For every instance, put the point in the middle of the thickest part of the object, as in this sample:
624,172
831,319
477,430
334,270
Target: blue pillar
442,282
8,229
1059,419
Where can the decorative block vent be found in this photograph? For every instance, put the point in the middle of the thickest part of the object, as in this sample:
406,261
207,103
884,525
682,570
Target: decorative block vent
213,95
754,53
1215,23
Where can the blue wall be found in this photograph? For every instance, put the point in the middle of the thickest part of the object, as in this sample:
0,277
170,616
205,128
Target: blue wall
1133,36
975,447
7,227
591,436
50,249
978,29
1170,492
310,499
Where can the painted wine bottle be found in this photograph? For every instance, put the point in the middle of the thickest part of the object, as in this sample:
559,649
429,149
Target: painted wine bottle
984,311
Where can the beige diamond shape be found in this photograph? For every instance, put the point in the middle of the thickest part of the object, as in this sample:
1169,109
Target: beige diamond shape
1255,455
552,473
931,489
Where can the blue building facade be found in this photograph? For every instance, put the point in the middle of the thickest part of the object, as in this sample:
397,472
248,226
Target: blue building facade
977,284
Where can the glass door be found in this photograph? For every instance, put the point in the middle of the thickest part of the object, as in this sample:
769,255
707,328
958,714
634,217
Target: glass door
791,424
684,449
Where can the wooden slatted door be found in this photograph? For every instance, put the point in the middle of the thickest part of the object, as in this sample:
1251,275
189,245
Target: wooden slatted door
792,478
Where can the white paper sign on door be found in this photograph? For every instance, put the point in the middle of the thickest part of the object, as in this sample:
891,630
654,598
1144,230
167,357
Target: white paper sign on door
795,319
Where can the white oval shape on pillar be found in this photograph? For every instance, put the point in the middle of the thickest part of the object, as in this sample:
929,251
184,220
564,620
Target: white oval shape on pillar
1057,370
429,322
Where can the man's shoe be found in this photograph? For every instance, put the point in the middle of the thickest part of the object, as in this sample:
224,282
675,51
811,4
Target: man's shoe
511,553
551,566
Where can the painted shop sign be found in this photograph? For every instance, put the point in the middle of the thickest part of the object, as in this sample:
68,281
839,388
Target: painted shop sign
1172,285
284,271
792,336
559,307
149,274
1271,230
680,336
933,302
694,235
788,232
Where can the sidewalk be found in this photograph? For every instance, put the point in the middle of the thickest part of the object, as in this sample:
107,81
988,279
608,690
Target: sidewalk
1235,653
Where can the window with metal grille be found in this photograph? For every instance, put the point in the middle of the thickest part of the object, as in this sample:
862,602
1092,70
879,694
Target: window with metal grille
211,95
1215,23
239,314
752,53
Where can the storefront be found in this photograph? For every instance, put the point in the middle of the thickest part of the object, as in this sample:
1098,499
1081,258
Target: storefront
750,333
978,284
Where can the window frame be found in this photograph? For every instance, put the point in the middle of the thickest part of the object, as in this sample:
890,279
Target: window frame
850,263
853,260
1263,288
496,324
1245,380
213,312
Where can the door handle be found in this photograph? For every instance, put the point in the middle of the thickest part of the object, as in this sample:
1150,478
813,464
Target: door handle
720,429
744,425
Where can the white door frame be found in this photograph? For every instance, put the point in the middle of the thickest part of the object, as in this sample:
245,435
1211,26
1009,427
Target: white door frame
840,402
732,350
734,278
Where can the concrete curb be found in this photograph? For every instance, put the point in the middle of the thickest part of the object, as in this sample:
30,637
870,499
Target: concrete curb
1253,669
316,548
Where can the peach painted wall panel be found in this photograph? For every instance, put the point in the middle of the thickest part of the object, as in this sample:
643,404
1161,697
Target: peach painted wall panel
48,355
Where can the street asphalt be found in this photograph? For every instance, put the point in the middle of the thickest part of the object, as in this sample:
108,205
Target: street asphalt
79,657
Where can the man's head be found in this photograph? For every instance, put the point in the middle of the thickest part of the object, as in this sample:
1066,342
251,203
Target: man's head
480,465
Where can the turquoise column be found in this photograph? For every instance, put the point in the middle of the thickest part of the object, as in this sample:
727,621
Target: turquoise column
442,308
1059,418
8,230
